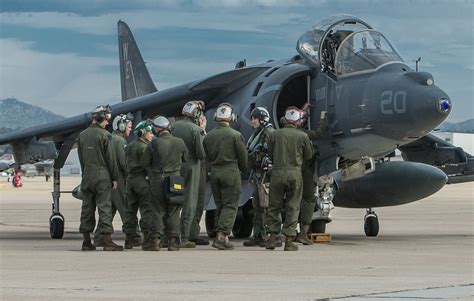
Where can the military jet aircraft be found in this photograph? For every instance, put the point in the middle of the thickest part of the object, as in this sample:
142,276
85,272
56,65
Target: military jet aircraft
7,162
375,104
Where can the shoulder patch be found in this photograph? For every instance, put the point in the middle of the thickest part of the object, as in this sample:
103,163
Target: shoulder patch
109,136
203,132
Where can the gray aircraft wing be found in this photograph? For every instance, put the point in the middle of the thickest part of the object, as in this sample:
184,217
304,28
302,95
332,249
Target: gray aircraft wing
41,142
454,161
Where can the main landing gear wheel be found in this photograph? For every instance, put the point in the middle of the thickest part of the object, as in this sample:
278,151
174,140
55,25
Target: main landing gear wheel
318,226
56,226
243,224
210,223
371,223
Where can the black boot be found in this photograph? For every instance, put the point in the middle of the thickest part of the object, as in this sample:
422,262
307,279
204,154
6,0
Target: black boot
86,243
256,241
200,241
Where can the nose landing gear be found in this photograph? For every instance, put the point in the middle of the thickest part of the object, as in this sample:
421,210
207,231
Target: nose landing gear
56,226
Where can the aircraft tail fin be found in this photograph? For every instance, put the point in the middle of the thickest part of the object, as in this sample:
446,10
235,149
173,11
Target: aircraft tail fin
134,77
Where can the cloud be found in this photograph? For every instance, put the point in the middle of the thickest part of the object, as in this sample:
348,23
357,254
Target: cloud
64,83
186,40
106,24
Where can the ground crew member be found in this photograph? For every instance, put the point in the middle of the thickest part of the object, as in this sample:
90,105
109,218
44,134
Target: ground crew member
192,135
162,158
308,201
226,153
288,148
138,186
257,148
195,227
99,177
122,126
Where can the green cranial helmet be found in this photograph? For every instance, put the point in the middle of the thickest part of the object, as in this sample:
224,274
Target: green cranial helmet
143,127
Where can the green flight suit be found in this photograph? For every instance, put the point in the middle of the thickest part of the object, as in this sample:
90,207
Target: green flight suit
308,201
195,227
226,153
257,140
164,157
98,171
288,148
118,195
137,194
192,135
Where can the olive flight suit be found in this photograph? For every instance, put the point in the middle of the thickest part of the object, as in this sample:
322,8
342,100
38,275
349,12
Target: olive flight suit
255,147
288,148
118,195
308,201
195,227
137,190
98,171
226,153
192,135
163,157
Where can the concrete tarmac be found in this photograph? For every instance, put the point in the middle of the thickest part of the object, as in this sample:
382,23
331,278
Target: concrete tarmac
424,251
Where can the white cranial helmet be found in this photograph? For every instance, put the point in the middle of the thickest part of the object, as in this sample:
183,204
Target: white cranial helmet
293,115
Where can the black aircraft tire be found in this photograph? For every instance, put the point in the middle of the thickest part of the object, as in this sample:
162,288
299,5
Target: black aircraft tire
243,225
318,226
210,223
56,226
371,226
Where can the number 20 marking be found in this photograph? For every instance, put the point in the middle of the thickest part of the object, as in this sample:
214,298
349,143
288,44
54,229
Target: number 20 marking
393,102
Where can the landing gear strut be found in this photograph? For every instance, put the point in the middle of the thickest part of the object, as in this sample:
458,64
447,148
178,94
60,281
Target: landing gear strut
56,221
371,223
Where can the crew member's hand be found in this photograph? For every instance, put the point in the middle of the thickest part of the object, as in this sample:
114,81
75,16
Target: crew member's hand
203,122
306,107
323,115
114,184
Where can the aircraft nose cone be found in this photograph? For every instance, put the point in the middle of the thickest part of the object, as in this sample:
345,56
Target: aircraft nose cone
444,106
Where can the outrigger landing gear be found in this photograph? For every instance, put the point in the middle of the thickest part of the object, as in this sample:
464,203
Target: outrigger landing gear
371,223
56,221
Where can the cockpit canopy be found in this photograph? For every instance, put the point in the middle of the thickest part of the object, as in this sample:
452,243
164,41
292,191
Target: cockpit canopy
345,44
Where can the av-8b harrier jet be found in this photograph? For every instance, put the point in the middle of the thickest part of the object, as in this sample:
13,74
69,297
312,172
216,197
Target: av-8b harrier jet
375,104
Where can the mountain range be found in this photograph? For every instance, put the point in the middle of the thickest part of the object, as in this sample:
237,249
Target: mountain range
17,115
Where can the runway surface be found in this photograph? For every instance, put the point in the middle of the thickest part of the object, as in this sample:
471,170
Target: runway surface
424,251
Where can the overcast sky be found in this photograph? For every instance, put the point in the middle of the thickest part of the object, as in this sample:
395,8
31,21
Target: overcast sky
63,56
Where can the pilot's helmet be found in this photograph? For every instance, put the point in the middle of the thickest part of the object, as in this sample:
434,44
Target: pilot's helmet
225,112
293,115
102,112
143,127
262,114
161,123
193,109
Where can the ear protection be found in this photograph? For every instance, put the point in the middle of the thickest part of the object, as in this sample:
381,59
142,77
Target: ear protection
100,113
225,111
193,109
143,127
120,123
